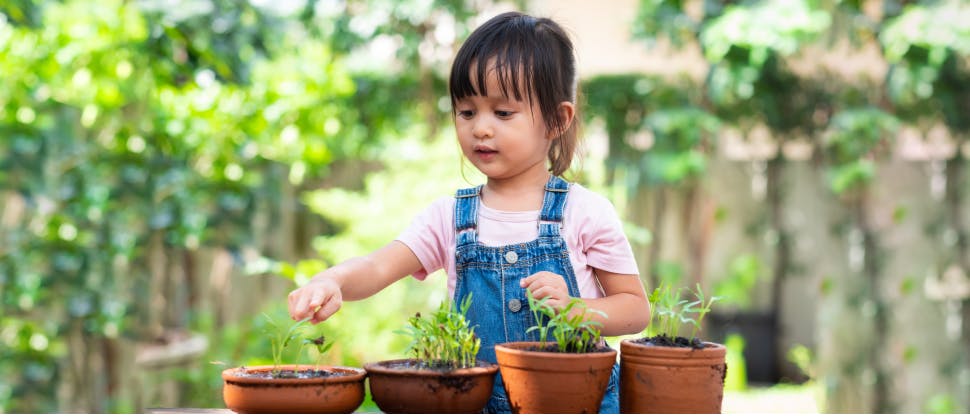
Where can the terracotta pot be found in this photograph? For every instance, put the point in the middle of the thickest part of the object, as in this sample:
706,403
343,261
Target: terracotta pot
341,393
551,382
398,386
656,379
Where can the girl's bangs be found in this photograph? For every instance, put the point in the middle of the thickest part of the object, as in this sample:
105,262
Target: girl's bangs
510,68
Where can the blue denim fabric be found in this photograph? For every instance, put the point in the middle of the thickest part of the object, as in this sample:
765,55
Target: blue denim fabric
500,310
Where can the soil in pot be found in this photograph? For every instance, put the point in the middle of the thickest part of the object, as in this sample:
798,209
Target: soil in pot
666,341
296,389
407,386
671,376
539,381
300,373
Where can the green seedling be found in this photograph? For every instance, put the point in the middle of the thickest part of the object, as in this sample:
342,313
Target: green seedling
569,326
671,312
321,345
280,340
444,339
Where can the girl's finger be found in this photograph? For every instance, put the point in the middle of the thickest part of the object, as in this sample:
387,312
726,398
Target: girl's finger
538,292
316,301
299,309
292,300
547,291
326,310
310,300
527,282
539,277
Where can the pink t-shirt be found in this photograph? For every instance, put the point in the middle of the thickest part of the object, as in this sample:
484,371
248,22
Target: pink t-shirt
591,228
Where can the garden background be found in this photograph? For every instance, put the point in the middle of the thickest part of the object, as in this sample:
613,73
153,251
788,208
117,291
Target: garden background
170,169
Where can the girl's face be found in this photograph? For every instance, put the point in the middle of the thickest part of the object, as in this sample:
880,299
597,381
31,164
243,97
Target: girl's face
504,138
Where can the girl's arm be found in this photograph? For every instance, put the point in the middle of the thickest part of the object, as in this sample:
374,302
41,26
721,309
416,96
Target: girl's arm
625,303
354,279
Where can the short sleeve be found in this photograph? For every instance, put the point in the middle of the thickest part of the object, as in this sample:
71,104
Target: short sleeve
429,236
601,235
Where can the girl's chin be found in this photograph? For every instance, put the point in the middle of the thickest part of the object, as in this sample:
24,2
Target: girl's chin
489,170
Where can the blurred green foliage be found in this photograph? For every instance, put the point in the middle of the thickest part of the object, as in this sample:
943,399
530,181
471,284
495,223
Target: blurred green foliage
127,125
129,122
738,287
760,73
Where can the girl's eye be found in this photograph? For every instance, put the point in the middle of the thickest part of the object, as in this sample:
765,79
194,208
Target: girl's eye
466,114
503,114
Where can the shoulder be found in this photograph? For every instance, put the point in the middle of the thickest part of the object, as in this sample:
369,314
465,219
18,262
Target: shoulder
440,211
589,212
443,206
584,200
444,202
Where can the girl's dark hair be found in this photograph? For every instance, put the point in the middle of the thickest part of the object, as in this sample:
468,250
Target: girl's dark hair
533,61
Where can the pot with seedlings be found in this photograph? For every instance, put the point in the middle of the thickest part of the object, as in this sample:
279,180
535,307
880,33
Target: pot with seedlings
293,388
566,371
670,370
442,375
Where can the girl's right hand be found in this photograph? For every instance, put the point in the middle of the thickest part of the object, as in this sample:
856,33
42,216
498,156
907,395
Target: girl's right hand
326,291
318,299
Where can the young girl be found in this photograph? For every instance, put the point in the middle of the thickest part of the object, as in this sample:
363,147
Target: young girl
513,94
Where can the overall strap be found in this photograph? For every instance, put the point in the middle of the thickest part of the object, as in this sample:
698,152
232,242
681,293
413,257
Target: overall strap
553,206
466,215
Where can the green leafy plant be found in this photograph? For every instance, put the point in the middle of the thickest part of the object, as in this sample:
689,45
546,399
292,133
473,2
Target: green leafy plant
445,338
281,339
321,345
569,326
671,311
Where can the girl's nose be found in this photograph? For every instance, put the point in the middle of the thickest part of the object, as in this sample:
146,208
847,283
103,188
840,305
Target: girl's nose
482,128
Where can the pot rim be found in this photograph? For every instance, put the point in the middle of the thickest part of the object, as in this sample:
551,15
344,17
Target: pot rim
709,346
381,367
348,375
519,347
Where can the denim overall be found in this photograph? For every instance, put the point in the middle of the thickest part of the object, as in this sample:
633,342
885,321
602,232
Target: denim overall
500,310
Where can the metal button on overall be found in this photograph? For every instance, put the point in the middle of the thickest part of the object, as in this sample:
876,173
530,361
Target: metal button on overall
515,305
511,257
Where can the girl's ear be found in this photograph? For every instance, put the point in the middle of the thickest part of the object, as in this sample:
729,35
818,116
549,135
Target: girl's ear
567,111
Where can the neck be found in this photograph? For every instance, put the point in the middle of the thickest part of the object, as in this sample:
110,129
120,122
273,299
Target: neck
515,194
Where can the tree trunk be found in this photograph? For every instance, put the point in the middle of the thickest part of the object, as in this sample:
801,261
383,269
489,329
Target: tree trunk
955,188
872,271
782,263
660,202
697,230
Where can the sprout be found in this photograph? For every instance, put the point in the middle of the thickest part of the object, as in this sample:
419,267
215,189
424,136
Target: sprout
445,339
574,333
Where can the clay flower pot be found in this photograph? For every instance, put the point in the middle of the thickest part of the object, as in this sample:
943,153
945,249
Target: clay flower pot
336,393
402,386
553,382
655,379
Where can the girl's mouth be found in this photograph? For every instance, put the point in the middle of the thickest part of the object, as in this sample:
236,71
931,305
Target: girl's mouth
485,153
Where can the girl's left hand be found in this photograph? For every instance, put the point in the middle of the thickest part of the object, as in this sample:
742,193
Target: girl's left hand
548,284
